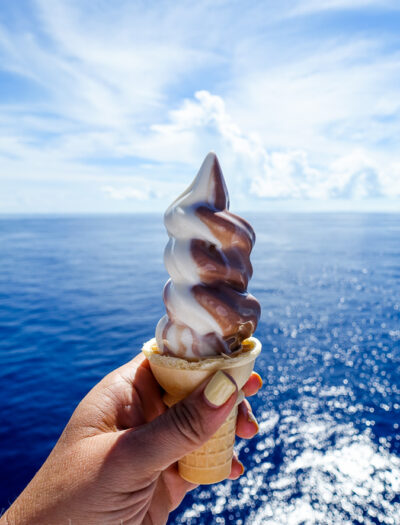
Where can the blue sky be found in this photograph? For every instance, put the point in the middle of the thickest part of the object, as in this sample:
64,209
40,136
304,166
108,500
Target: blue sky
111,106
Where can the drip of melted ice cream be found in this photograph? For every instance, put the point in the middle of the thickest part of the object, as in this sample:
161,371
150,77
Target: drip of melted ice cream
209,311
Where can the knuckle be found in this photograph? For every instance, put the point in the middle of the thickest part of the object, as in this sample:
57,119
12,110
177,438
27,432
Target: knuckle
188,421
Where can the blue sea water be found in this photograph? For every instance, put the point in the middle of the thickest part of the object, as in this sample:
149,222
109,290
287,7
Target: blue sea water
79,295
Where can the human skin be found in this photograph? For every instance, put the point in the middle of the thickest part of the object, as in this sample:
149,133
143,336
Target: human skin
115,462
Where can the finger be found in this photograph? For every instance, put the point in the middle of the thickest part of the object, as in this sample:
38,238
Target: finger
253,385
184,427
135,393
176,486
237,468
137,372
126,397
246,423
148,390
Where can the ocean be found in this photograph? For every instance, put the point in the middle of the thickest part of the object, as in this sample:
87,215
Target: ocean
79,296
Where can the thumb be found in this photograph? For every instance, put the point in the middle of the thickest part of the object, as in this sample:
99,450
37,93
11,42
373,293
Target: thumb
187,425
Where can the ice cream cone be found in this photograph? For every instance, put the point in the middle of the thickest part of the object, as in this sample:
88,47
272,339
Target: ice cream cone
178,377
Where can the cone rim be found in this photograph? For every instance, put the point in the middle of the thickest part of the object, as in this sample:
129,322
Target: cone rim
150,351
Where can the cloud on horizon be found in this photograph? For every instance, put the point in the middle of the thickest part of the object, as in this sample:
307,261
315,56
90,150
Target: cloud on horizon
103,107
276,174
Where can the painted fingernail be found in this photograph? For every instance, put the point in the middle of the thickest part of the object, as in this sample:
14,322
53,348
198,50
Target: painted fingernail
253,420
219,389
259,379
242,467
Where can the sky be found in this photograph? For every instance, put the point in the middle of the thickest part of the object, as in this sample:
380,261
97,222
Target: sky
110,107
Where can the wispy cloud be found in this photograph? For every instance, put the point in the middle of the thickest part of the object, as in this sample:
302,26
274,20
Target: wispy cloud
131,192
125,100
315,6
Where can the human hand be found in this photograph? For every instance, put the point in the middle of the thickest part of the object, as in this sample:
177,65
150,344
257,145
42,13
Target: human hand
115,462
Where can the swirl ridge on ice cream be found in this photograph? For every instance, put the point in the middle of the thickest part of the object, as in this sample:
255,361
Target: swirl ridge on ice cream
209,311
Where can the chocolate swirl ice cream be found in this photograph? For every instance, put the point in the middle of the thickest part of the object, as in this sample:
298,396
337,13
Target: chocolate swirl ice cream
209,311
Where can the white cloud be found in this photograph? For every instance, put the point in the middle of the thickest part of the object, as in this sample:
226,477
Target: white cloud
277,174
130,192
313,6
329,98
129,95
357,176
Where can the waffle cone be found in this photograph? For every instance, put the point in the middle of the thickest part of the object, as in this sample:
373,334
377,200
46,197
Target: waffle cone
210,463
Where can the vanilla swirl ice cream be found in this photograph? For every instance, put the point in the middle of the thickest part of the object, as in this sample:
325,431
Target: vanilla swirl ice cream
209,311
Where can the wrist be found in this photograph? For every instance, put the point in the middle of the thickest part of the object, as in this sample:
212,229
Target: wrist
12,516
24,511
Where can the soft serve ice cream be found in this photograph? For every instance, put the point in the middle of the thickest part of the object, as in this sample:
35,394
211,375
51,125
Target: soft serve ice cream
209,311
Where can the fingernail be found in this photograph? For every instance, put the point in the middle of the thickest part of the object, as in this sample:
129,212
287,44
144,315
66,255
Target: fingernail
259,379
242,467
219,389
252,419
